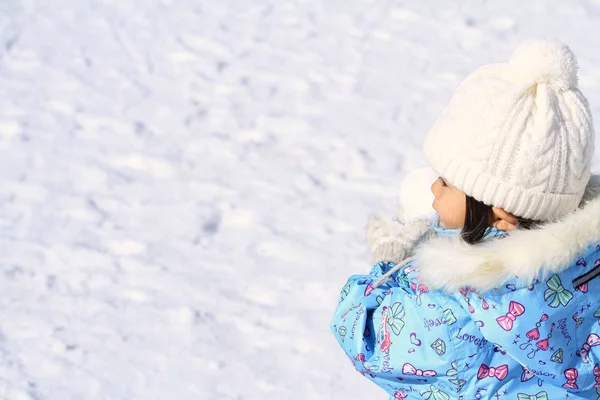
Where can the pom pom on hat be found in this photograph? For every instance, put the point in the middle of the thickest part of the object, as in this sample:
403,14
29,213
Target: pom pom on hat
545,62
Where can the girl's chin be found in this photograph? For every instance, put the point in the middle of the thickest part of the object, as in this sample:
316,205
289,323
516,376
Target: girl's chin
446,225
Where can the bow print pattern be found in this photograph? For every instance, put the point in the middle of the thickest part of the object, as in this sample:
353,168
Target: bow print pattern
593,340
514,310
435,394
538,396
557,292
578,320
497,372
571,374
368,366
395,317
452,372
409,369
552,346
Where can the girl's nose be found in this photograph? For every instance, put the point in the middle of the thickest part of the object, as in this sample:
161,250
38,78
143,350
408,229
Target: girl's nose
435,188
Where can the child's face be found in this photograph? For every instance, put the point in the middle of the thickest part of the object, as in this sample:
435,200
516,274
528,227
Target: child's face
450,203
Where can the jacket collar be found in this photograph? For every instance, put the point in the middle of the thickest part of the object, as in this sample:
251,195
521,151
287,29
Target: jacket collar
438,229
448,262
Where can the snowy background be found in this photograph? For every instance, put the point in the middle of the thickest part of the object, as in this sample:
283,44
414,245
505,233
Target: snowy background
184,184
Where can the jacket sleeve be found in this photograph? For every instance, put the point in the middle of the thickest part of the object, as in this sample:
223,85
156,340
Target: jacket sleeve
396,334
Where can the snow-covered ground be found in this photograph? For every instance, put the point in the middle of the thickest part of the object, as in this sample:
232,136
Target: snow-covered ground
183,184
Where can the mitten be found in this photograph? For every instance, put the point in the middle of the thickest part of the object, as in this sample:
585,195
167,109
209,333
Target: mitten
392,240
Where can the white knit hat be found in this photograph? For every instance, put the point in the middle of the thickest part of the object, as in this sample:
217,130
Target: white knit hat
518,135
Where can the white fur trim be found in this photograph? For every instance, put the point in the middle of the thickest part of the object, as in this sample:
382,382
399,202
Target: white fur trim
450,263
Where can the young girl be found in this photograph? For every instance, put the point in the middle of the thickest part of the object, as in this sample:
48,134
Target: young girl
497,298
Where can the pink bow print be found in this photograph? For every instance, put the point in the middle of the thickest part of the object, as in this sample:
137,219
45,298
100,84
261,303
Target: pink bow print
409,369
400,395
498,372
571,374
514,310
593,340
597,375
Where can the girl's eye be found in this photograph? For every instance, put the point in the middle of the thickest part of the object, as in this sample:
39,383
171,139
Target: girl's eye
443,181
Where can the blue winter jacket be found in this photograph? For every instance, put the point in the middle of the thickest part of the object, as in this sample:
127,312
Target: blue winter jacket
511,318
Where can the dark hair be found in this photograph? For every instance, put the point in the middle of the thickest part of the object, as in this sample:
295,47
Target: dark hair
479,218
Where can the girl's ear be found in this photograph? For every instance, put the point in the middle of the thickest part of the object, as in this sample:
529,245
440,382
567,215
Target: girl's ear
503,220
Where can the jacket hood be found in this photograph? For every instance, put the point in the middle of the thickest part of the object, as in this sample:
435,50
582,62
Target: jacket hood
451,264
